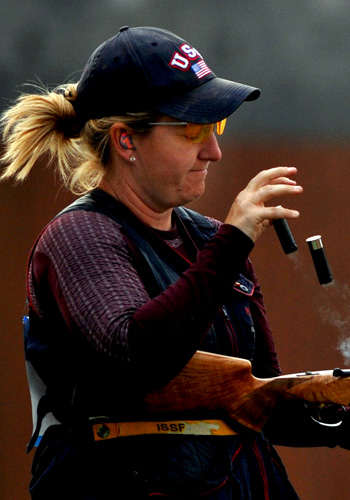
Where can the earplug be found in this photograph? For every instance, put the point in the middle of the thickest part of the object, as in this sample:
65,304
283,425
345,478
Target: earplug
126,141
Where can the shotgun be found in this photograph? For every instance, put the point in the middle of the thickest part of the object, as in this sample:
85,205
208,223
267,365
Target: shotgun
216,382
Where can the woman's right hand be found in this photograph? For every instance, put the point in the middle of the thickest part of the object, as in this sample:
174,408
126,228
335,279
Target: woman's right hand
248,211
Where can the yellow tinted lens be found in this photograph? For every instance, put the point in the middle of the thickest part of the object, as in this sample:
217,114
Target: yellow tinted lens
220,126
199,132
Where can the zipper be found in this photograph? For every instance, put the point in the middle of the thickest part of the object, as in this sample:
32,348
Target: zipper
231,331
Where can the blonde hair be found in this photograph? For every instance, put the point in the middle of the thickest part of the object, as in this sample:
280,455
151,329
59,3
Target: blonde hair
46,123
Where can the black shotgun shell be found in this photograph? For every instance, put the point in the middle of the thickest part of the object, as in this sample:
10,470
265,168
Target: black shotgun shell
319,258
285,235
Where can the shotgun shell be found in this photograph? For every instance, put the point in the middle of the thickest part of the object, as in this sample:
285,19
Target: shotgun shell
319,258
285,235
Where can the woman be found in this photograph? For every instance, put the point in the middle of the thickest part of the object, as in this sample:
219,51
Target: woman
125,285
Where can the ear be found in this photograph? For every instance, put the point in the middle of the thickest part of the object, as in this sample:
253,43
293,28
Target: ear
121,140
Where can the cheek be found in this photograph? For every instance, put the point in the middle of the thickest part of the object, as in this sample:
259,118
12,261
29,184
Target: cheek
171,170
168,162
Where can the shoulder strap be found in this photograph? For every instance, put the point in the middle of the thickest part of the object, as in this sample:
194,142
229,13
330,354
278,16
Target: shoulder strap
159,267
198,226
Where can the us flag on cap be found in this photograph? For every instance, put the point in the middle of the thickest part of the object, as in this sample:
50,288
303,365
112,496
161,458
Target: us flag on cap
201,69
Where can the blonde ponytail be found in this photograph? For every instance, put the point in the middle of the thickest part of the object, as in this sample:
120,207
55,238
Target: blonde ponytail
46,123
39,124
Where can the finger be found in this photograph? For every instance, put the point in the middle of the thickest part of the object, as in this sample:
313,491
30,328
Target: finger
270,175
270,191
283,180
280,212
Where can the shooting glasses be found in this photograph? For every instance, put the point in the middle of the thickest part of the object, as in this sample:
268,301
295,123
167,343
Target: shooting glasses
198,132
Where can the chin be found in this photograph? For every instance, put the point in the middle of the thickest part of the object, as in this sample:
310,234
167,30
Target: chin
194,197
192,193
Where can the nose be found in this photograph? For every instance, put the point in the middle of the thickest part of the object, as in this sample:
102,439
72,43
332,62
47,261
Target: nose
210,150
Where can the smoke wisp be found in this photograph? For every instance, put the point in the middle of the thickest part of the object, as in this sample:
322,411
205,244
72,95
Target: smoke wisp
337,314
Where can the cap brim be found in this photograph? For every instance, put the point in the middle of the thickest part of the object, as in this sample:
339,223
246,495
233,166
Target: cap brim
211,102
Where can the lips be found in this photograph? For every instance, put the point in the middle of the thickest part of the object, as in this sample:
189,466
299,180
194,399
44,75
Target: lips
196,170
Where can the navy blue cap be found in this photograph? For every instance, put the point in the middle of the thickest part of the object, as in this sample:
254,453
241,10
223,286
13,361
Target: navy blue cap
147,68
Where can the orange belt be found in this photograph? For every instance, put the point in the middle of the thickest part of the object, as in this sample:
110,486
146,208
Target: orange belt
111,430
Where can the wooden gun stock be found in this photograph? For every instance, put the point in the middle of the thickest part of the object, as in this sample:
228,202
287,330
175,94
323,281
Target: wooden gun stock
216,382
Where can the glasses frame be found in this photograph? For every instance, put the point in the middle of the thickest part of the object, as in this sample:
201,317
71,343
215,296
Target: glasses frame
220,127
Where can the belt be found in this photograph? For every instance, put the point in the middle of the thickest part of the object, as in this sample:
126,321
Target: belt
111,430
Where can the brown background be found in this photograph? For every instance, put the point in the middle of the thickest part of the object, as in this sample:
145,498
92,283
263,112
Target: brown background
308,319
